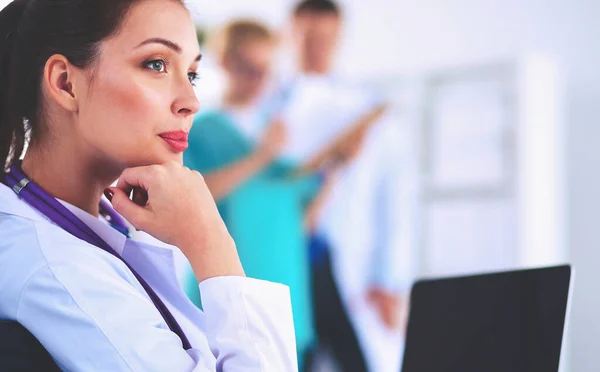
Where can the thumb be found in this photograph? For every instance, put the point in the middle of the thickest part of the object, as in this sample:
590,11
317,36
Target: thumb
132,212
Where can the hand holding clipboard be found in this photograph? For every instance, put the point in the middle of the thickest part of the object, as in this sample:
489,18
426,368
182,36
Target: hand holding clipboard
347,146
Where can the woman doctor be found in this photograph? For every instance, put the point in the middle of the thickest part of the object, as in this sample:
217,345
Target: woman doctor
103,90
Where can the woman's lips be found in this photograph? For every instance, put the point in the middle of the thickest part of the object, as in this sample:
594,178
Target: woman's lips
178,140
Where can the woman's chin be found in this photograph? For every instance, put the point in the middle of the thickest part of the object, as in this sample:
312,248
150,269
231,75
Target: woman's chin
169,157
177,158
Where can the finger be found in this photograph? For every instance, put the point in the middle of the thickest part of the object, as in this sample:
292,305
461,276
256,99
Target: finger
135,177
140,197
128,209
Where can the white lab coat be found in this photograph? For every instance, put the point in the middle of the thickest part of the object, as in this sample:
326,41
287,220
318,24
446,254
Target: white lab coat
369,221
88,310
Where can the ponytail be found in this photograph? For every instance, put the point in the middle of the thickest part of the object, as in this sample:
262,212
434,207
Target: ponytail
12,129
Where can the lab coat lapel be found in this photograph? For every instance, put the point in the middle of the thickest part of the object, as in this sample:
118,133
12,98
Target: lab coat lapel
155,264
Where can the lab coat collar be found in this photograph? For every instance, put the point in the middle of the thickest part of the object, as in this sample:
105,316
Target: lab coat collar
151,258
11,204
113,237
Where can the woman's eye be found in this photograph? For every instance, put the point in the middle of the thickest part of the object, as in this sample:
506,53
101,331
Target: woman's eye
156,65
193,77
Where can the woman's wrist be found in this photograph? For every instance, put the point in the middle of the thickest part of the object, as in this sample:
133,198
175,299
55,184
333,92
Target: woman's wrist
213,259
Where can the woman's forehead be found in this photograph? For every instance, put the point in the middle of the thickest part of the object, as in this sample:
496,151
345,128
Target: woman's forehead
158,19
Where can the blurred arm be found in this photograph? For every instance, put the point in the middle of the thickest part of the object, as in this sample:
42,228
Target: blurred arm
224,180
345,145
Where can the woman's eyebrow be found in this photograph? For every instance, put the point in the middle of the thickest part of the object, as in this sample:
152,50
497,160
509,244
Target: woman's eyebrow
168,43
157,40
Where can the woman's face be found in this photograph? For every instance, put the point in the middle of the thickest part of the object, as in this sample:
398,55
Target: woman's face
141,101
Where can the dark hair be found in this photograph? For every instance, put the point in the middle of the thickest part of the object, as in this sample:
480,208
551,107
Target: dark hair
31,31
317,7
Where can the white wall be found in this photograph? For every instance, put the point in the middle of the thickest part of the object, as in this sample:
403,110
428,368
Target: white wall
210,14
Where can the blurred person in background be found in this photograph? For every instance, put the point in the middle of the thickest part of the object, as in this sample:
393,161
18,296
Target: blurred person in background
267,203
362,246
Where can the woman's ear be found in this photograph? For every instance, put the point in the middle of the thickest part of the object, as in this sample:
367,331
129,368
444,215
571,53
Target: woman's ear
59,82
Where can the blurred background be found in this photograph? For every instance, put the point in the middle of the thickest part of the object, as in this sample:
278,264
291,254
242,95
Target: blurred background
491,147
500,98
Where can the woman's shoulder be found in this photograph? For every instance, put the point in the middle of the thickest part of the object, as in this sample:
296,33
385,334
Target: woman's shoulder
32,252
20,253
33,240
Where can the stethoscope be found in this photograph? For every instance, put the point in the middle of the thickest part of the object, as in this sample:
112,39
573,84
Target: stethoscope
39,199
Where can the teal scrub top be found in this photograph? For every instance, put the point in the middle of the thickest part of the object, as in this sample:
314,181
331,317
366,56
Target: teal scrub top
264,215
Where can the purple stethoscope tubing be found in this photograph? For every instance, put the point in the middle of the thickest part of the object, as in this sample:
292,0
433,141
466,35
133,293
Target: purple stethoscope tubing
35,196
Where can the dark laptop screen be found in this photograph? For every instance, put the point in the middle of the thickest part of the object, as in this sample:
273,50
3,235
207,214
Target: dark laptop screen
510,321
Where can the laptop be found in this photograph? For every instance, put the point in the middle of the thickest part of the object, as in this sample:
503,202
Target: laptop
508,321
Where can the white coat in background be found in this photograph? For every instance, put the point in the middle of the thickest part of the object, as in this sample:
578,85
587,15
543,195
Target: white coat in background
369,220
